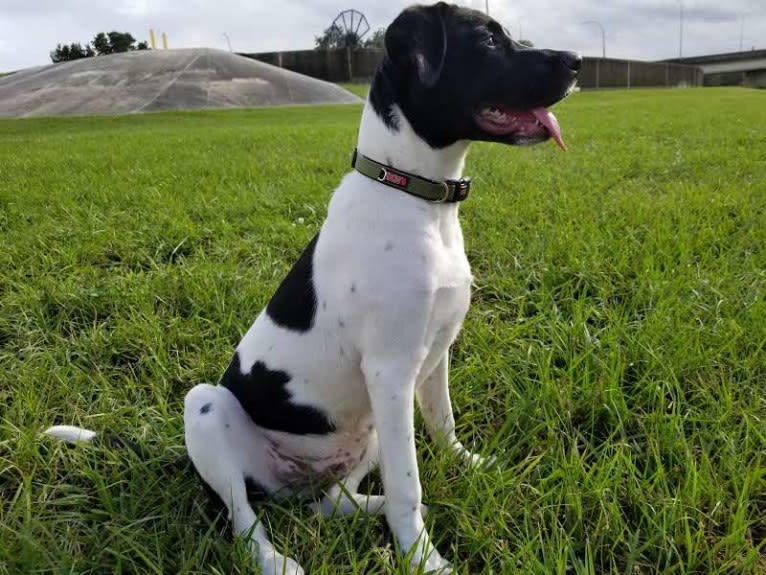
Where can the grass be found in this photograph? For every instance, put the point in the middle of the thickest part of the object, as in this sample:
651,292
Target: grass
357,88
613,359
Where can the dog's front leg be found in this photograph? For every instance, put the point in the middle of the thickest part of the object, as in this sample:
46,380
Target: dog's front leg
391,387
436,407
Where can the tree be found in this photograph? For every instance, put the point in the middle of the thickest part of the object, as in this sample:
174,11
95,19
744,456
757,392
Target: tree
121,42
60,54
334,38
377,40
113,42
74,51
103,43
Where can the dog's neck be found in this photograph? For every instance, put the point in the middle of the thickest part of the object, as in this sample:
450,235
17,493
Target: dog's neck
396,144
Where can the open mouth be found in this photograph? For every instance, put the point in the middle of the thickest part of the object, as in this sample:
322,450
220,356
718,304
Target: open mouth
525,126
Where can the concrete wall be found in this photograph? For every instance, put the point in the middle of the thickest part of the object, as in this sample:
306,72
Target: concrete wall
611,73
755,79
725,79
749,79
360,65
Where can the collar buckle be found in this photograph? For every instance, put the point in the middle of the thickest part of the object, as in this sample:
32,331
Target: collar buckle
444,197
462,187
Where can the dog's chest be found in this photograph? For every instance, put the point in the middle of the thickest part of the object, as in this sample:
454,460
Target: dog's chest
389,258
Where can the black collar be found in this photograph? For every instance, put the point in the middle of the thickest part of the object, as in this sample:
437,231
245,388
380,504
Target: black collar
447,191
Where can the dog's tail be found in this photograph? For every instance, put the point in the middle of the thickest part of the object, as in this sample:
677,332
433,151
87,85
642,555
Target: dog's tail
70,433
73,434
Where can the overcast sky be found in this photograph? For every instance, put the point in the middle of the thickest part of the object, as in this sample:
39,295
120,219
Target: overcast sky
644,29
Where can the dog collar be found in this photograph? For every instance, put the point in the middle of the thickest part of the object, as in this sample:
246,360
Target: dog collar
447,191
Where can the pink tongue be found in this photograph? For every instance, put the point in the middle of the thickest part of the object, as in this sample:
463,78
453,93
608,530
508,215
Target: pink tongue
549,121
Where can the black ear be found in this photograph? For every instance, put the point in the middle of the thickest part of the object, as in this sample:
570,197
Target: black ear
418,38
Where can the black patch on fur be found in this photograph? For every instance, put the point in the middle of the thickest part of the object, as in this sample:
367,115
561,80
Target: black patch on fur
382,98
264,396
205,408
294,304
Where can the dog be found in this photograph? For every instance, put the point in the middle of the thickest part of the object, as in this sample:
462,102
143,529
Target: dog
323,385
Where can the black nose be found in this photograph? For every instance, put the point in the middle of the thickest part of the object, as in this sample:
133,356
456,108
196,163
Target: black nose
571,60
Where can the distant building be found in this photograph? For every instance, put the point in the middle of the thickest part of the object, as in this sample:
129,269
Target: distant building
731,69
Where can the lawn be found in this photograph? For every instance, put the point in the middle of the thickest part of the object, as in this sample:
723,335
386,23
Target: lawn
613,359
360,89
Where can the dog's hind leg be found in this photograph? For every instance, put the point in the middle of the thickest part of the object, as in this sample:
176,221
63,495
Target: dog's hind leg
226,450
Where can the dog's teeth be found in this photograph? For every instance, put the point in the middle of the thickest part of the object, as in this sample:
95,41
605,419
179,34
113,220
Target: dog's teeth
495,114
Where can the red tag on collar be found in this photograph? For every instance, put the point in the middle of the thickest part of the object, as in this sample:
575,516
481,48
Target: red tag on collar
396,179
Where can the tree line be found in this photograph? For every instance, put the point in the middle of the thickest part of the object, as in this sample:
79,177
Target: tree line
102,44
334,38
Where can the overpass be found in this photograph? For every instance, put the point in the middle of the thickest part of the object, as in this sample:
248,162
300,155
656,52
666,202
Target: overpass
734,68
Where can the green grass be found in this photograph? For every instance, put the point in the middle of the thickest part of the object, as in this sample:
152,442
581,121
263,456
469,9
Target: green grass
356,88
613,359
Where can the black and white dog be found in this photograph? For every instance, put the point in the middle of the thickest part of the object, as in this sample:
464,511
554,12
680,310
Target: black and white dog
322,387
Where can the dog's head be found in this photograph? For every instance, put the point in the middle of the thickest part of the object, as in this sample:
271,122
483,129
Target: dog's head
456,74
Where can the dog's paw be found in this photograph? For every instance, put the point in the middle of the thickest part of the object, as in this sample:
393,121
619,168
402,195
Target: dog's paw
474,459
274,563
428,561
435,564
324,507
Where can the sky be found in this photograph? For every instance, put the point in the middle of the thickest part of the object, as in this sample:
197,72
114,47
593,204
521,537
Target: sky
641,30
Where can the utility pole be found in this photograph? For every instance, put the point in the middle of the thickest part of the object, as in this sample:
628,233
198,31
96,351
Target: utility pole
603,36
681,31
486,6
742,30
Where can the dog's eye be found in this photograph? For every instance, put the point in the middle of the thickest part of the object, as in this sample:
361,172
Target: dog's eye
490,41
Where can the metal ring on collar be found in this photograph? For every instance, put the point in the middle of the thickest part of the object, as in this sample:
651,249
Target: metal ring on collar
444,197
